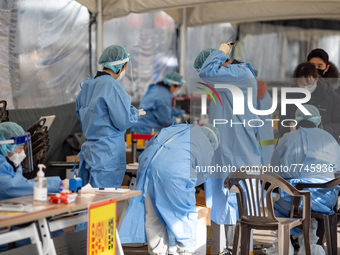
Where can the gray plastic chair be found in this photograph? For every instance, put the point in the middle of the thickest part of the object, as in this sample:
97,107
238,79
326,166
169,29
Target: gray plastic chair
256,209
327,224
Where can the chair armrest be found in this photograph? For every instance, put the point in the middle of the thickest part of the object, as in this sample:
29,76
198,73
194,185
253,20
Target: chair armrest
330,184
306,205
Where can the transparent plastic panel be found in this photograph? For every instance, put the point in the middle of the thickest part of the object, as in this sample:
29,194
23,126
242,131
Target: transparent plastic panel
44,51
150,39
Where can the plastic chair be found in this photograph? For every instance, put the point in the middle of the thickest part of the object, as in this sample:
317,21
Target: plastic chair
256,209
327,224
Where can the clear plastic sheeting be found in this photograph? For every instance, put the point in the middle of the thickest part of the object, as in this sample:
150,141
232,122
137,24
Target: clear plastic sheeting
151,40
199,38
44,51
275,51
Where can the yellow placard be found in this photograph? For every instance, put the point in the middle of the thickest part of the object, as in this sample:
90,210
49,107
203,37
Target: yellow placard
101,235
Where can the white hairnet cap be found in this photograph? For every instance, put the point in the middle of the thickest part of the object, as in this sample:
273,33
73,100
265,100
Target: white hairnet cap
213,135
315,117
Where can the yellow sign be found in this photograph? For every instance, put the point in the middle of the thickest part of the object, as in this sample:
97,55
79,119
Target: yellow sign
101,235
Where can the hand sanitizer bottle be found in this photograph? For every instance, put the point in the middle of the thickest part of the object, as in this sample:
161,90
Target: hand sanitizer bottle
40,185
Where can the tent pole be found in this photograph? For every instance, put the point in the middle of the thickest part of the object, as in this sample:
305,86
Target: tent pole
183,56
99,34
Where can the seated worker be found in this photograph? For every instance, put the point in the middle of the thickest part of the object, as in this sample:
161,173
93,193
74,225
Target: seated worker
323,97
318,154
166,176
157,104
12,182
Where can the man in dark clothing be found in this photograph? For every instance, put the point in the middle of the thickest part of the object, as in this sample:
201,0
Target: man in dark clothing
323,97
326,69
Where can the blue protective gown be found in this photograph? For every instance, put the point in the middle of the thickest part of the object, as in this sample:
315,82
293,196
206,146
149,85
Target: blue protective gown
159,113
238,146
266,131
105,112
14,184
307,146
167,179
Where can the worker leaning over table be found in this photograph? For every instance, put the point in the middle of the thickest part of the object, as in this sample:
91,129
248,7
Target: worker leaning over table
105,113
12,182
167,178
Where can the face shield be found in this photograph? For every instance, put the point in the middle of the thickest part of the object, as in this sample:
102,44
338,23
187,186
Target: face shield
22,152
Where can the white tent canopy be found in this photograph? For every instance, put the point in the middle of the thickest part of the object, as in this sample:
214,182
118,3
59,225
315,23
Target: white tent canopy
191,13
203,12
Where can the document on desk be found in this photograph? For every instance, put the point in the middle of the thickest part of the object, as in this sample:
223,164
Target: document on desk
15,207
114,190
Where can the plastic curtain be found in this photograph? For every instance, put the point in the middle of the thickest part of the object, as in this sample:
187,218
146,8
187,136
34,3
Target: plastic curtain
203,37
150,39
275,51
43,51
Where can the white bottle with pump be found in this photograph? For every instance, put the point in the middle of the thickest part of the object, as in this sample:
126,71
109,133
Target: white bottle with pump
40,186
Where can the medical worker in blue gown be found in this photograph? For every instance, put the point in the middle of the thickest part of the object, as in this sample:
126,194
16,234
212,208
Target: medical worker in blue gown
157,103
308,145
266,132
319,154
166,176
238,147
105,113
12,182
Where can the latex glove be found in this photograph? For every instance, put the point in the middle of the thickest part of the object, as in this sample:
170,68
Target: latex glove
185,116
178,120
141,112
226,48
66,183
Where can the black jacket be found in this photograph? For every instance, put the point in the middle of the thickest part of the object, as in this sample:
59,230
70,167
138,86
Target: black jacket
327,101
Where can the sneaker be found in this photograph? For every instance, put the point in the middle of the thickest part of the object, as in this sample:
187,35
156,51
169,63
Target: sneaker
227,252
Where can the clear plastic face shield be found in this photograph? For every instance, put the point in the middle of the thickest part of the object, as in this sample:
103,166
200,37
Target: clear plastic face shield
22,152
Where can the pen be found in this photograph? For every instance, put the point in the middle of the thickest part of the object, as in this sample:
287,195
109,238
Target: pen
109,188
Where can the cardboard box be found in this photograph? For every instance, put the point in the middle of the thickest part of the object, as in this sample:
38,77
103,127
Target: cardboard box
216,240
201,233
72,158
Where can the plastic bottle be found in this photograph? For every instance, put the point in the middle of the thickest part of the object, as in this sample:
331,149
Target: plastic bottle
40,185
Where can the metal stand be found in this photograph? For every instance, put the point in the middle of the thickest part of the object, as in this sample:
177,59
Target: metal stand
48,244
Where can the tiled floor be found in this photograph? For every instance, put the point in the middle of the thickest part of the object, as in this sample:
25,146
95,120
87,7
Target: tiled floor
260,238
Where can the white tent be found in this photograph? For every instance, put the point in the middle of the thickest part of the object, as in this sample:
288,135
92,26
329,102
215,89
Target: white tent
202,12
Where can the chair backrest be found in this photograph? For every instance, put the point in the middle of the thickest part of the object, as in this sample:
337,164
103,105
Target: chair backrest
254,201
3,111
40,145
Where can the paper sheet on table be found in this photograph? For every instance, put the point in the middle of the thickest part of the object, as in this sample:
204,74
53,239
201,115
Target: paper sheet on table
115,190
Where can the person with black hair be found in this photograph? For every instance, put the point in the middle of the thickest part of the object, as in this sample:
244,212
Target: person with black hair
325,68
323,97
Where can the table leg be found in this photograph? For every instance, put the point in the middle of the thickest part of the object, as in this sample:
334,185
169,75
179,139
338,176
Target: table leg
119,248
47,242
126,203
